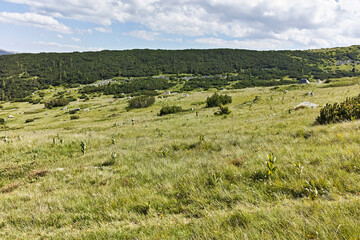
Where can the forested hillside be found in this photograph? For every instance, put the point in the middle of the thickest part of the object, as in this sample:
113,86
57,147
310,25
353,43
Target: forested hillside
21,74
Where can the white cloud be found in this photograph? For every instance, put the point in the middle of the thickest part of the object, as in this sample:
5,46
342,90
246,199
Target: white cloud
149,36
75,39
60,36
59,47
178,40
34,20
84,31
294,24
263,44
103,30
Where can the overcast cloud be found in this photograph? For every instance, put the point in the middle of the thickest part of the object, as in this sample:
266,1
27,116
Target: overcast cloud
254,24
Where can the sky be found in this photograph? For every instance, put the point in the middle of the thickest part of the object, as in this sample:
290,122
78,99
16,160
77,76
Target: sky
93,25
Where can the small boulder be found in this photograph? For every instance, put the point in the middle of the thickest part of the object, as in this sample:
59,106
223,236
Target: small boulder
305,105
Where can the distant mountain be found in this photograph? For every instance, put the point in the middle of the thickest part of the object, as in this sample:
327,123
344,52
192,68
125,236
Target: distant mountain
3,52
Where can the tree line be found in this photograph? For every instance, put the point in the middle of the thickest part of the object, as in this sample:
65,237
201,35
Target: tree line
21,74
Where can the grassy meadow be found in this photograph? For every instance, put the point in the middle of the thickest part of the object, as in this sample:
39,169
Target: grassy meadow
118,174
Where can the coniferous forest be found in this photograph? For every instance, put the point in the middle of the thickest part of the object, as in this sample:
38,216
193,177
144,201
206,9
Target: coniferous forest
22,74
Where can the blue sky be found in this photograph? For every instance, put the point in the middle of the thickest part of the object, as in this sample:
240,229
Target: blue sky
92,25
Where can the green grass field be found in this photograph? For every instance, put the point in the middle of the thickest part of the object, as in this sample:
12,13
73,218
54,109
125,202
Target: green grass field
181,176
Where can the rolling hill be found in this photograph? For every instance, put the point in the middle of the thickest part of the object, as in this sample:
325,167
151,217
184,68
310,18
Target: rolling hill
22,74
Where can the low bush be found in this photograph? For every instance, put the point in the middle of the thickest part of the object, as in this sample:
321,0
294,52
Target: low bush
338,112
59,102
216,99
29,120
223,110
85,97
74,117
120,95
170,110
141,102
35,101
73,111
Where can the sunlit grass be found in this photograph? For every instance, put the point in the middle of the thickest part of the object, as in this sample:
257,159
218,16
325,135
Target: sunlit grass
181,176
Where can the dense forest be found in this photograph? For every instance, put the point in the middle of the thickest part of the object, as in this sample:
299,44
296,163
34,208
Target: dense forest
21,74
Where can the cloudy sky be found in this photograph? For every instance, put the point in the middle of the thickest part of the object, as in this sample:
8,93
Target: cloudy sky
91,25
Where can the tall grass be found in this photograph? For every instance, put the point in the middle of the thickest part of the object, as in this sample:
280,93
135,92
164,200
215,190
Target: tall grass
182,176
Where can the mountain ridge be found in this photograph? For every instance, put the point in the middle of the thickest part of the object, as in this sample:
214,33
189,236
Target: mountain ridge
4,52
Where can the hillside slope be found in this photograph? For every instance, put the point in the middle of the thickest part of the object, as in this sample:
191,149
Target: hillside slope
110,173
22,74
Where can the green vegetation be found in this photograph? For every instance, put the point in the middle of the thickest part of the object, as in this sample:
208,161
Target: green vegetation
144,86
117,174
60,102
349,110
112,168
216,100
170,110
74,117
141,102
132,71
223,110
270,163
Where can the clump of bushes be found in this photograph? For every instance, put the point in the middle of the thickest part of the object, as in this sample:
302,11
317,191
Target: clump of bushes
169,110
216,99
338,112
35,101
141,102
59,102
85,97
74,117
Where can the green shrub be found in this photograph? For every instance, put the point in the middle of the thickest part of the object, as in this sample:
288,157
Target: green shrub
35,101
141,102
338,112
73,111
29,120
85,97
71,98
216,99
223,110
2,121
74,117
170,109
59,102
120,95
